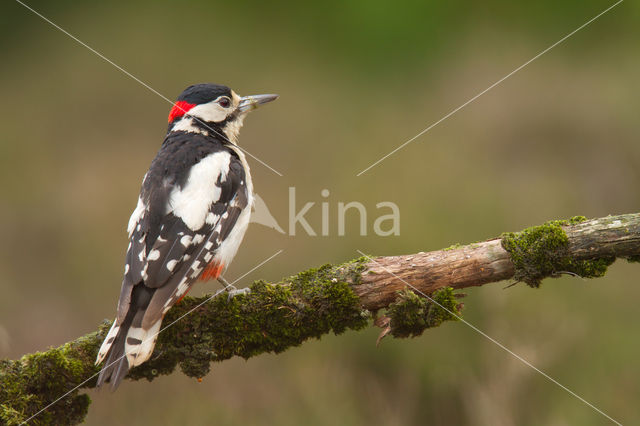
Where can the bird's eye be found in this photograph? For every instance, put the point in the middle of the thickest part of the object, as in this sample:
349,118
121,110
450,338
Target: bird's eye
224,102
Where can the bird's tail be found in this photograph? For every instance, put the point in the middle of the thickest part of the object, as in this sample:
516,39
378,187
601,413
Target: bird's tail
127,344
116,364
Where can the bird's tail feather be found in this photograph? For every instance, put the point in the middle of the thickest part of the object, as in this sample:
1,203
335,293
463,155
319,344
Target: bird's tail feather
131,346
108,341
129,343
116,364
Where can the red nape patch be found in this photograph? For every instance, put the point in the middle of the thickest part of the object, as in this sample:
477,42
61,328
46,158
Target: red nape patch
179,109
212,271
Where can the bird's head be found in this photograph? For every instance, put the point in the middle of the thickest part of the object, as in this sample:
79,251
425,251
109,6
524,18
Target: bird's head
213,109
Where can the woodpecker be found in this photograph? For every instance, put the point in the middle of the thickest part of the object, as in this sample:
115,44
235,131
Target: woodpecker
191,216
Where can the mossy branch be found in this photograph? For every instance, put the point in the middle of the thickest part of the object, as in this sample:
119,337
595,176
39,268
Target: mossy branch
278,316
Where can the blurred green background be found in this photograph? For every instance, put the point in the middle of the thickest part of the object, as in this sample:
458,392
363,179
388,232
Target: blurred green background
356,79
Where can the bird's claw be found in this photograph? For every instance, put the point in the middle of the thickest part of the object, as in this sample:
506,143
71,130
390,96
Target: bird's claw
231,289
233,292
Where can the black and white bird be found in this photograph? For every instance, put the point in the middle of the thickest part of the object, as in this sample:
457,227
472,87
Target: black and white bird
192,213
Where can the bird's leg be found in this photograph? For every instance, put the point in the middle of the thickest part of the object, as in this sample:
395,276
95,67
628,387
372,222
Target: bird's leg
231,289
226,284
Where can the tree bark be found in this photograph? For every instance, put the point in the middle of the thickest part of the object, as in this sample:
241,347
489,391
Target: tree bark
488,261
332,298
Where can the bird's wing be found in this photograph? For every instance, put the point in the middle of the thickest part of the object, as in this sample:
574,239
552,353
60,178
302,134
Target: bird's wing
187,235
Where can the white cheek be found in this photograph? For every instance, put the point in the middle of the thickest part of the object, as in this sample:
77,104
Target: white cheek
232,129
210,112
186,125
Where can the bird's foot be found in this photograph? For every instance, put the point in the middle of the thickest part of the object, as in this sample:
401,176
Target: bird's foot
235,292
232,290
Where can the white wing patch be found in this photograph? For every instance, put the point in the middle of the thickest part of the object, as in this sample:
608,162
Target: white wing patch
192,202
186,240
153,255
172,264
135,216
212,218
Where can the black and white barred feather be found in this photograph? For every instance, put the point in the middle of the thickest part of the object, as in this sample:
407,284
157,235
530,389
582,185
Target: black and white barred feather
192,212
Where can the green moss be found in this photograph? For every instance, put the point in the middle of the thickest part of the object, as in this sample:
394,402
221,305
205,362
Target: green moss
576,219
632,259
542,251
410,315
272,318
457,246
351,272
29,384
453,247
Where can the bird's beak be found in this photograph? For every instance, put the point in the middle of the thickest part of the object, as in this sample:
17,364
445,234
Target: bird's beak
252,102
